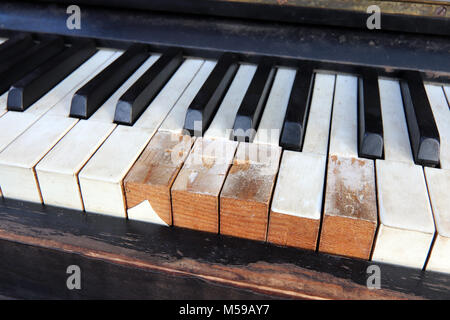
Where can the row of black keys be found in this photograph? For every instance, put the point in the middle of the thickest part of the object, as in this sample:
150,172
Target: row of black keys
30,70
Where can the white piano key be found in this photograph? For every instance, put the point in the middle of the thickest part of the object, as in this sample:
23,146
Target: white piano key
406,221
318,125
344,127
395,130
101,180
3,99
17,161
438,181
441,113
269,128
174,121
57,173
447,94
223,121
12,123
160,107
298,193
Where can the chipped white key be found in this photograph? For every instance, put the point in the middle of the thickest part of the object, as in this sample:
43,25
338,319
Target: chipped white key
175,119
297,200
101,180
17,161
223,121
58,171
269,128
406,222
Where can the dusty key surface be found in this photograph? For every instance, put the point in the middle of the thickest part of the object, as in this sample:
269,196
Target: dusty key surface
195,193
350,214
246,194
153,174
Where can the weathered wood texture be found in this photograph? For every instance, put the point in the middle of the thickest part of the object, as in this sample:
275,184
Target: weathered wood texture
193,259
247,191
152,176
350,215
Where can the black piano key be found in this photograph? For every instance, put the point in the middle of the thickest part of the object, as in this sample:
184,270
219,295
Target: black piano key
34,85
370,124
251,108
23,64
423,133
205,104
297,110
94,93
134,101
15,46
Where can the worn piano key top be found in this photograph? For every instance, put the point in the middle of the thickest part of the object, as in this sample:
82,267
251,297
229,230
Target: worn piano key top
423,133
350,212
18,160
294,218
370,122
22,64
269,127
15,46
406,222
101,179
405,219
251,108
205,104
297,110
296,209
57,172
134,101
195,193
34,85
247,191
438,183
148,183
94,93
151,177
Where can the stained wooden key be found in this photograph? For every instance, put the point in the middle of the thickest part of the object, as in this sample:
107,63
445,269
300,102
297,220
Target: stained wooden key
15,46
34,85
251,108
195,193
423,133
93,94
297,110
205,104
370,122
16,68
133,102
350,212
151,177
246,193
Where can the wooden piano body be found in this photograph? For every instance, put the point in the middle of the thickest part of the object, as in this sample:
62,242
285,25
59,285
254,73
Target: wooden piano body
121,258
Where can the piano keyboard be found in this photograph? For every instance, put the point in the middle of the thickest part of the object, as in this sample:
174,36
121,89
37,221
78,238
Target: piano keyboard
349,165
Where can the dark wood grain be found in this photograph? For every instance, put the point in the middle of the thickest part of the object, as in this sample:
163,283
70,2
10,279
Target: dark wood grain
172,254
